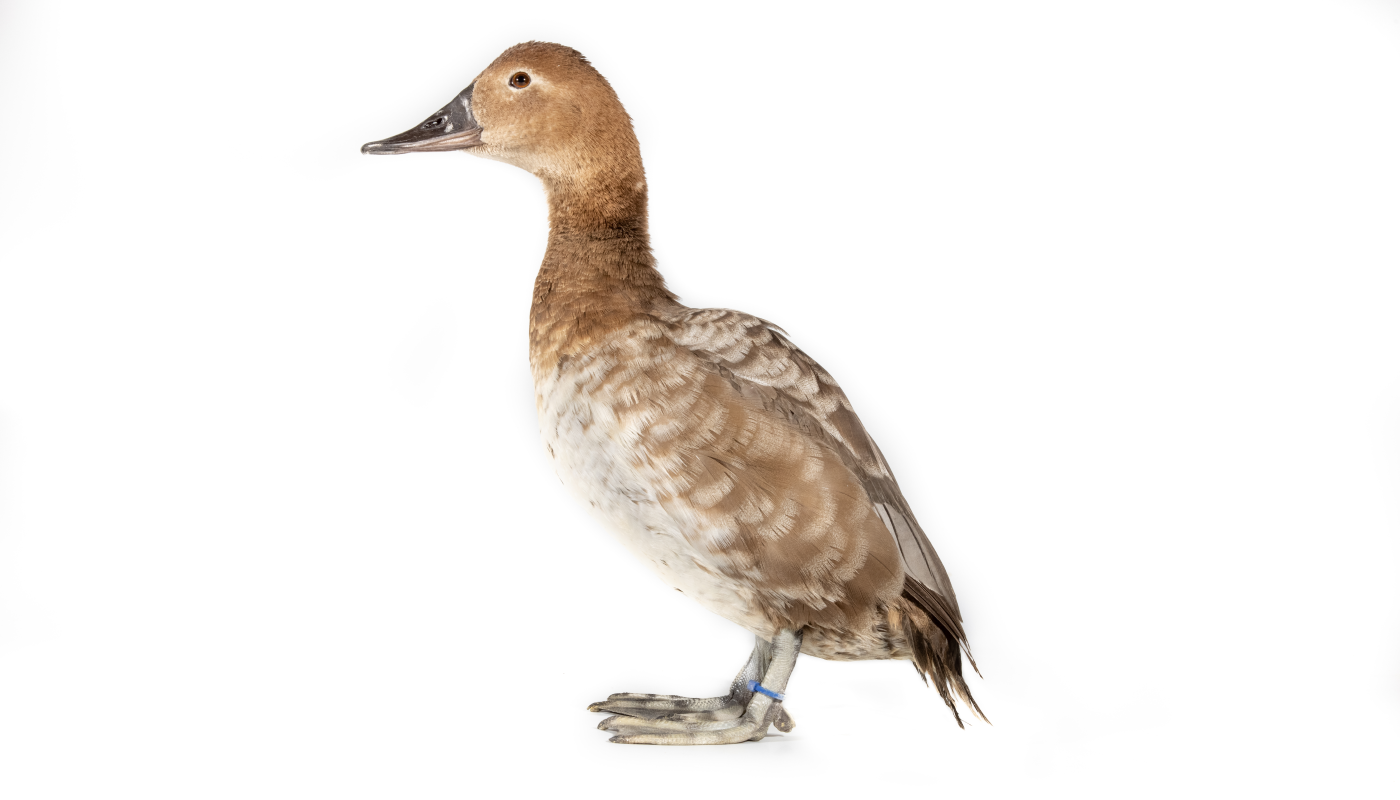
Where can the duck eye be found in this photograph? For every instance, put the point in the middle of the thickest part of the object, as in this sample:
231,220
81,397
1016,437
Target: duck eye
520,80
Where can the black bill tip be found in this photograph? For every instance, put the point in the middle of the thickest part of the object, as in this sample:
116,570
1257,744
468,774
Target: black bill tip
451,127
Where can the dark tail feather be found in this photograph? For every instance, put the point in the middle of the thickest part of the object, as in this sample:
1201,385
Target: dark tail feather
934,634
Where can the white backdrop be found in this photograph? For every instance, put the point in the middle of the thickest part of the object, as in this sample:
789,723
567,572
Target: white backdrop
1115,286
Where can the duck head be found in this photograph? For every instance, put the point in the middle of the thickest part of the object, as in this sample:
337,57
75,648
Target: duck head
539,106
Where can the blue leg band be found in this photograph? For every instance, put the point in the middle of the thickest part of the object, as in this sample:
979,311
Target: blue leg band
755,686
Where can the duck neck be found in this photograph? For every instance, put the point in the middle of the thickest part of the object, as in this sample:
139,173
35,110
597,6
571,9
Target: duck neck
598,270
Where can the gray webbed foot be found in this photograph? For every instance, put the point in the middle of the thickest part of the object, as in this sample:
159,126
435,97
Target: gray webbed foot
742,715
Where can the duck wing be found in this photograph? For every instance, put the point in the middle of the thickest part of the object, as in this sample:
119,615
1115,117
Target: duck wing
758,359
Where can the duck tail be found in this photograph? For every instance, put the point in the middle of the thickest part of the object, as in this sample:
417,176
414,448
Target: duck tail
935,640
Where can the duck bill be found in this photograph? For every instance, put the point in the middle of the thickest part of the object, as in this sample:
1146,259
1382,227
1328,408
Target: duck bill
451,127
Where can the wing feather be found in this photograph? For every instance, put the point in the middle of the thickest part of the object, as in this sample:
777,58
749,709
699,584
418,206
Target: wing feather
760,361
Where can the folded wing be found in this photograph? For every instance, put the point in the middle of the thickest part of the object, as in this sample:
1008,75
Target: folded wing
759,360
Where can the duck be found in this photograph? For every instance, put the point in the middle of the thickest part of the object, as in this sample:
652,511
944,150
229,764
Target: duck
724,456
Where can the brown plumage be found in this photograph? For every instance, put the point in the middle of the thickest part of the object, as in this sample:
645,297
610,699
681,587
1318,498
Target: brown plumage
724,456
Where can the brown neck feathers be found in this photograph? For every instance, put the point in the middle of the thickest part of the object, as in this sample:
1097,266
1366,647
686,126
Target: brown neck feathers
598,270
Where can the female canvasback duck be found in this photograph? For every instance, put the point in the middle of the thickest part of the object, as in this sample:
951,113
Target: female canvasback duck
724,457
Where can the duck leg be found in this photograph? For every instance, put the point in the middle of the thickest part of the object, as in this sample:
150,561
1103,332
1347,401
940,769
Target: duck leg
742,715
